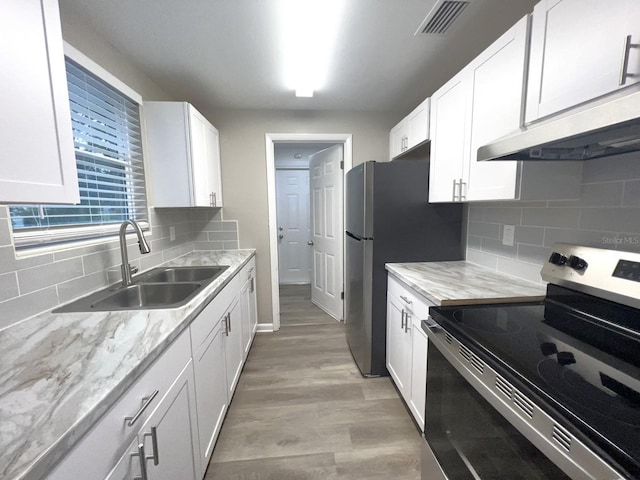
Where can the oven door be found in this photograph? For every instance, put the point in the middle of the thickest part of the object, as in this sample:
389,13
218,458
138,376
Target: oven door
469,438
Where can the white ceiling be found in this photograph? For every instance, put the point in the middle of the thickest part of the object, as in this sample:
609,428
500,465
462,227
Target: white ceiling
225,54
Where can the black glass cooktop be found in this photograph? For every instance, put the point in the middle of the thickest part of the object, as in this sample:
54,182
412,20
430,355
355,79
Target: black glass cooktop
577,354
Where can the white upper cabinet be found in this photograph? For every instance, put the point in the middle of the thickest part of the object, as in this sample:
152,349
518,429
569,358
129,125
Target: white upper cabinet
480,104
581,50
448,152
411,131
37,164
397,138
184,156
497,76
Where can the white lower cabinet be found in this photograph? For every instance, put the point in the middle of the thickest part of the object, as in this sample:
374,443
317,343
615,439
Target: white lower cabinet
211,393
170,418
248,305
166,444
407,345
234,353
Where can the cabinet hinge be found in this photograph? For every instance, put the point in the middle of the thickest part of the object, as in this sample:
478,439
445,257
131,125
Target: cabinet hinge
341,164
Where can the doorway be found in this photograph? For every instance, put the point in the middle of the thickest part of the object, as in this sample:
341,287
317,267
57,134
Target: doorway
305,176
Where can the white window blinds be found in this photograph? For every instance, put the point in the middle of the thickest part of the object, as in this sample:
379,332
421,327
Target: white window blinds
108,145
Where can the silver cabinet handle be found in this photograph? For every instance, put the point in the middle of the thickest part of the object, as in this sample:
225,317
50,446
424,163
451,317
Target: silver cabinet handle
406,323
154,443
215,199
226,325
455,184
229,320
310,242
251,288
462,197
211,199
280,228
280,236
624,71
406,300
143,462
402,318
146,401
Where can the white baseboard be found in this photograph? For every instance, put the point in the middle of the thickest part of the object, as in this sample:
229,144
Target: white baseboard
265,327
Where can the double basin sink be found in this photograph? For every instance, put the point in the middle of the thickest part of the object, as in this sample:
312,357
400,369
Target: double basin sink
163,287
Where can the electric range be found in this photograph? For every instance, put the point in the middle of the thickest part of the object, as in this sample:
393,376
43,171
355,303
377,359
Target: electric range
564,373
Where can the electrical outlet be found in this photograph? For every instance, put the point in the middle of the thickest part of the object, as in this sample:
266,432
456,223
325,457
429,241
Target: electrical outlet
508,234
172,233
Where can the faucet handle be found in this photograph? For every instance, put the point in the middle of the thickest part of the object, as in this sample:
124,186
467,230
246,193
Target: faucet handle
133,270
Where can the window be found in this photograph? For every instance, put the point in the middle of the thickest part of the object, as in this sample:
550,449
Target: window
108,146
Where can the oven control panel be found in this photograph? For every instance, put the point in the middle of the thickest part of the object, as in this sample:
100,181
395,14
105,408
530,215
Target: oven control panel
611,274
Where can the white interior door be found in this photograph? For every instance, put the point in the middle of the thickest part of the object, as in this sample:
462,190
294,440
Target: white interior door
326,219
294,233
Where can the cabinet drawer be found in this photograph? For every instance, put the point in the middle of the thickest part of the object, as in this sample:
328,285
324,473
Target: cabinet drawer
204,323
409,299
248,271
101,448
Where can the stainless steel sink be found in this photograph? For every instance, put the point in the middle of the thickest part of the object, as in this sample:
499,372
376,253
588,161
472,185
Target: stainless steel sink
181,274
164,287
148,295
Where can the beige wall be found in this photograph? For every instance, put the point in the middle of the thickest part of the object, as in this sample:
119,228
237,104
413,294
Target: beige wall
77,31
244,172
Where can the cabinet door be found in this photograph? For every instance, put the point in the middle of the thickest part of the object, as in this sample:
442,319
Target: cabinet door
418,130
418,374
496,108
201,191
233,347
214,179
398,138
577,49
174,447
211,391
398,346
128,467
448,135
245,314
38,162
253,304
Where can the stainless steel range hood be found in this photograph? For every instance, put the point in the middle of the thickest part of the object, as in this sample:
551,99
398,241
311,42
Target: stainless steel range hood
600,131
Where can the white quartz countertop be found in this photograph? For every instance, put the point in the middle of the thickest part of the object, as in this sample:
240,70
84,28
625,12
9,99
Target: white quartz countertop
59,373
461,282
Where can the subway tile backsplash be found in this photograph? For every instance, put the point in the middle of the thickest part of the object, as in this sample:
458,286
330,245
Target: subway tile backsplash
606,215
36,283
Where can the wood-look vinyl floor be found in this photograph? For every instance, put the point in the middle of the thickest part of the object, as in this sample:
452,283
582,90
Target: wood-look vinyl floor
303,411
296,307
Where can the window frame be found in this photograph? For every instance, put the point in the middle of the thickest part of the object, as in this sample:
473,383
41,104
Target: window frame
80,235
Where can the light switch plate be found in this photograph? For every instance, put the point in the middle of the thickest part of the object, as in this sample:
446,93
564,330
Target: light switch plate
508,234
172,233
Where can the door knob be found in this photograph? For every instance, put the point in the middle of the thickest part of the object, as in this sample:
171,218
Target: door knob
310,242
280,228
281,236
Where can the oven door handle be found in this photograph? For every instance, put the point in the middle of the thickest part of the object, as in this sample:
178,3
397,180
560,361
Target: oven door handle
434,327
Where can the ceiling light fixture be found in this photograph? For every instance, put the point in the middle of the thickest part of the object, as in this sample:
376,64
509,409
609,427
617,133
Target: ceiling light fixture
309,32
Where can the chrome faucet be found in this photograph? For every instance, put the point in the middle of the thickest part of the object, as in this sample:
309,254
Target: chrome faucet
128,270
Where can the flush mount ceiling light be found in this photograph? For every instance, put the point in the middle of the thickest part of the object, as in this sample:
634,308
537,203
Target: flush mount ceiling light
309,29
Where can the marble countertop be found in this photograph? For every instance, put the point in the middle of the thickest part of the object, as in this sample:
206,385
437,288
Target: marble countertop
461,282
59,373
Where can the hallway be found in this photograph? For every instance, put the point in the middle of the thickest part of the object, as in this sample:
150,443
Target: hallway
303,411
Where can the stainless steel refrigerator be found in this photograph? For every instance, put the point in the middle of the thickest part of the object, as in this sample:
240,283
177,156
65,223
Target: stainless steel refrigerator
388,219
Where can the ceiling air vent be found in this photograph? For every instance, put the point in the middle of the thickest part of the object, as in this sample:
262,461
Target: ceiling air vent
441,17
